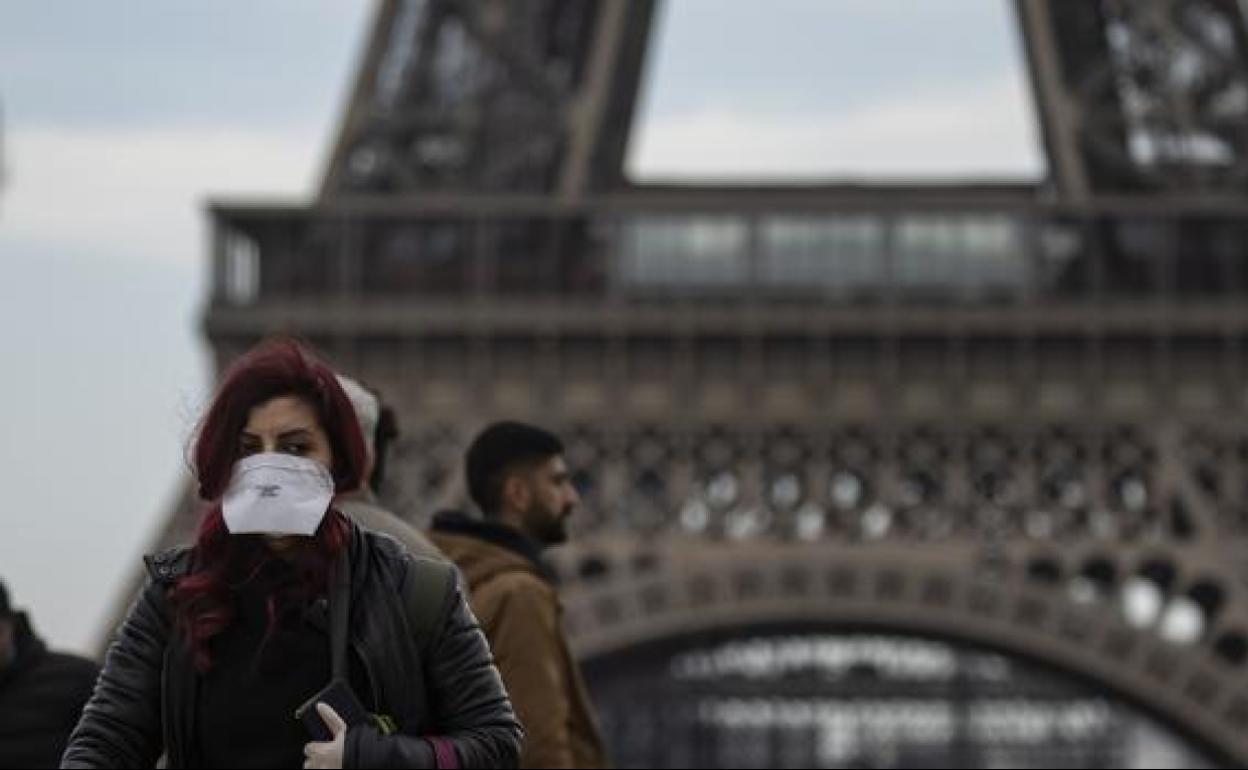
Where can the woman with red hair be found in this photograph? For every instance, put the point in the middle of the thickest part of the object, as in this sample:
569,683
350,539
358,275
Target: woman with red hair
287,635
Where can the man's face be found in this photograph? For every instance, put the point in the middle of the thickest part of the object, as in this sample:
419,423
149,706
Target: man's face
551,500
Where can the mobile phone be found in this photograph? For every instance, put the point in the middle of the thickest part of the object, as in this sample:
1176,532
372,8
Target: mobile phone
339,696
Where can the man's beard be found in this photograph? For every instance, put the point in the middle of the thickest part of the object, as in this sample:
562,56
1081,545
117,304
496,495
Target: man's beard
547,529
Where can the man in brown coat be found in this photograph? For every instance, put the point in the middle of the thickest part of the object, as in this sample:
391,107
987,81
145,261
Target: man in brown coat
518,477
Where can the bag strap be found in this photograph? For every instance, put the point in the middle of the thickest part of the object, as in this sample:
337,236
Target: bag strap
339,616
425,595
427,589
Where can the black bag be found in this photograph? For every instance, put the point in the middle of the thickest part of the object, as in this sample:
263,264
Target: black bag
339,696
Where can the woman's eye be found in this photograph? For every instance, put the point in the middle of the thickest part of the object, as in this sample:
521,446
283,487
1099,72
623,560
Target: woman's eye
294,449
246,450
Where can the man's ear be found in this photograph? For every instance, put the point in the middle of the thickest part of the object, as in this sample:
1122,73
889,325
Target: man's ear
516,492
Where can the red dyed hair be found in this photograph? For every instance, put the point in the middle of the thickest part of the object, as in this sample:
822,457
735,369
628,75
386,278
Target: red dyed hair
203,600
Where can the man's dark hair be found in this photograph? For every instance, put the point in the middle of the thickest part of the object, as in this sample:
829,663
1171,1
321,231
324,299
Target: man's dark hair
498,451
6,609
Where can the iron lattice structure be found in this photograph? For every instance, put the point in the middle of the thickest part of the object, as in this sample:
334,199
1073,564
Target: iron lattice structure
1009,417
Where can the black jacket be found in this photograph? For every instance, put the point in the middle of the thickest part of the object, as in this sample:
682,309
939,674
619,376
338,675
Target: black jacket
445,685
41,698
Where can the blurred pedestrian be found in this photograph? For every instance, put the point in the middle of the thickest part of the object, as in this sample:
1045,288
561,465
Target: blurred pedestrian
380,429
41,692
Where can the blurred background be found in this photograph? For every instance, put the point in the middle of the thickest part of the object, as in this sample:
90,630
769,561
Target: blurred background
898,346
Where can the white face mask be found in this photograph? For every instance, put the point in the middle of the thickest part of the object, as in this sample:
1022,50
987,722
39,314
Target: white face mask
277,494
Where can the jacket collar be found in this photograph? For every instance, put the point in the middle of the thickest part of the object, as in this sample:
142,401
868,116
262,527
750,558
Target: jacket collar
501,535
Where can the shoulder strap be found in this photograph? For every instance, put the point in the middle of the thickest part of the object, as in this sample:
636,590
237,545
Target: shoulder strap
425,595
339,615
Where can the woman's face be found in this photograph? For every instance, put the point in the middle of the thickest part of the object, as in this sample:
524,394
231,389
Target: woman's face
288,425
285,424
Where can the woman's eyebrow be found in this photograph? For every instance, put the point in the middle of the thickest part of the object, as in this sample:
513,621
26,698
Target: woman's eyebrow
292,433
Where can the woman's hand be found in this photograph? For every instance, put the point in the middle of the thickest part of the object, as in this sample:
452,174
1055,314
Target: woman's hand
327,754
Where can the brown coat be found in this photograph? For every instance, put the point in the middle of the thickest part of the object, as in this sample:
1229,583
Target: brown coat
520,612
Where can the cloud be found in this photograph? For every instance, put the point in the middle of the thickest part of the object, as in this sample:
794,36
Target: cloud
985,129
142,190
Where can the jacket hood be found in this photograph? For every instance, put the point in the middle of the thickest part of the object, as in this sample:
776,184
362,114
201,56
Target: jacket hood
29,648
484,549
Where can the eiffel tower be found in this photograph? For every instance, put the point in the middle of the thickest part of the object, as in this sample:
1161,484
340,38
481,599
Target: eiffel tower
905,475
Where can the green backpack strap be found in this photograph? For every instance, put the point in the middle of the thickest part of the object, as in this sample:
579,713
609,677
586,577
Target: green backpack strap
427,590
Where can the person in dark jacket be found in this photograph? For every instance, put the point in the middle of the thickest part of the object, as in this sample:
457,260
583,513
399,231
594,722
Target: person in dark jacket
41,693
518,477
283,606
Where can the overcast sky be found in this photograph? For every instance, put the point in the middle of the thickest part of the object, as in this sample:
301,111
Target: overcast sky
120,119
